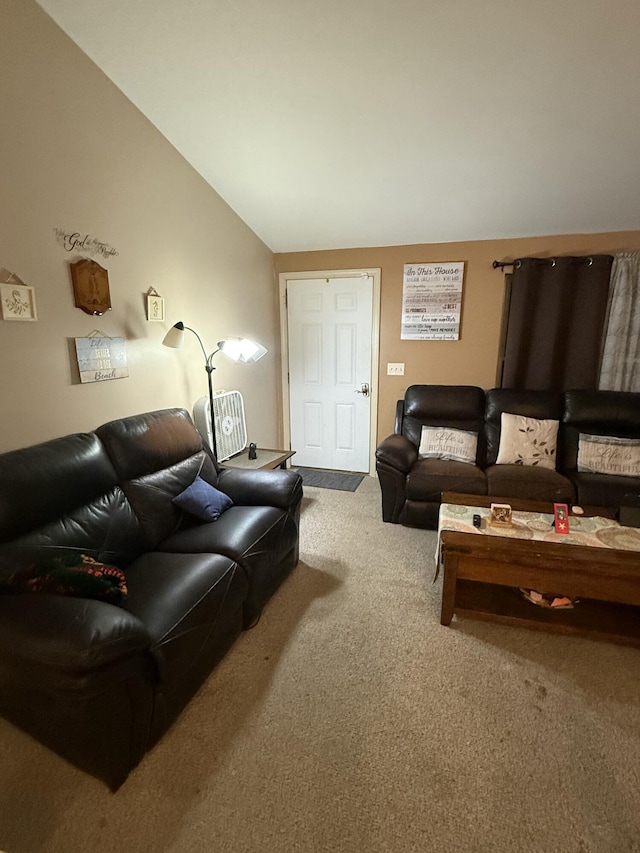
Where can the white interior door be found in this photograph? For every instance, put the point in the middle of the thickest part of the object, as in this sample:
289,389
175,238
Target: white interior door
329,322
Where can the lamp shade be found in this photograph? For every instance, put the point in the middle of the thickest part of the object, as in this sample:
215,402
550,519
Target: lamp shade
242,349
174,336
237,349
258,352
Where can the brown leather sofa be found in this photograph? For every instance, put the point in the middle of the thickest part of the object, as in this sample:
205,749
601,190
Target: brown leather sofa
100,683
411,486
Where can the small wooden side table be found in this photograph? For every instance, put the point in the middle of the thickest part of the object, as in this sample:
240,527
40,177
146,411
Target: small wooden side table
265,459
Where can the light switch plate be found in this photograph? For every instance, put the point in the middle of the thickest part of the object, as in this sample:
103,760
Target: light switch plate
395,368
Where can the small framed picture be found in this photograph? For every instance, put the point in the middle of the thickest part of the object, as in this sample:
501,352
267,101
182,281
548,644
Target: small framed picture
155,308
18,302
561,518
500,515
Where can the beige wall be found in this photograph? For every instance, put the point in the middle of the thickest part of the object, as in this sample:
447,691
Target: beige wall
473,359
75,154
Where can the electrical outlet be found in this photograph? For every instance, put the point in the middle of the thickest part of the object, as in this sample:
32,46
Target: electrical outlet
395,368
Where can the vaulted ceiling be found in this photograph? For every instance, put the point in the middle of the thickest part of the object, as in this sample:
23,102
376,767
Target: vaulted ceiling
342,123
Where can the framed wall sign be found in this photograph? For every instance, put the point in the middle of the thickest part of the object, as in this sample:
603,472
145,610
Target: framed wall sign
155,307
18,302
101,358
90,287
432,302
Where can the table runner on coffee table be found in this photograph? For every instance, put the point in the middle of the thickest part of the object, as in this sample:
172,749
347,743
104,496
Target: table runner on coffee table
594,531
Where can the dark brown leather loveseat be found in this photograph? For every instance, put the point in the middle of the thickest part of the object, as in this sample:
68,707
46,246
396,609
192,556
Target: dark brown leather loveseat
411,486
97,682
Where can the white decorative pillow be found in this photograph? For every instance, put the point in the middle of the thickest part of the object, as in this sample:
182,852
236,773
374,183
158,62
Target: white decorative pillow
527,441
606,454
457,445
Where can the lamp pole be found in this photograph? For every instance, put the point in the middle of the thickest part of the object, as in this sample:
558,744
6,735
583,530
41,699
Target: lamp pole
237,349
208,366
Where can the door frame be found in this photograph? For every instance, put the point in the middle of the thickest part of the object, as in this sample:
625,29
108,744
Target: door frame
374,274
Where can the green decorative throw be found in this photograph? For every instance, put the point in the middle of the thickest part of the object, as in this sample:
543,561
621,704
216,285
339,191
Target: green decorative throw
74,575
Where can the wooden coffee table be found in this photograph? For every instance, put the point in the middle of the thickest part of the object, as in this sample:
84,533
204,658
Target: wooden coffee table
482,574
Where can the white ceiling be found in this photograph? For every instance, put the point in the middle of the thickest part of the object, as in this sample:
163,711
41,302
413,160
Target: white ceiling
342,123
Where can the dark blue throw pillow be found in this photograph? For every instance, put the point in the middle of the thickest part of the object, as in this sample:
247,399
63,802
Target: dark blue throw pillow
203,500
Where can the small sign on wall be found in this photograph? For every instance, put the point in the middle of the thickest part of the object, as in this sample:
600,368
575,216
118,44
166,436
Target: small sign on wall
18,302
101,358
155,307
432,302
90,286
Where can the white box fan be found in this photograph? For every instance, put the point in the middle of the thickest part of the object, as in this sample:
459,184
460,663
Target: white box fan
231,429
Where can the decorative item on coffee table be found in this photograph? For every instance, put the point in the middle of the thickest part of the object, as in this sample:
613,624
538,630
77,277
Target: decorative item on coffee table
501,515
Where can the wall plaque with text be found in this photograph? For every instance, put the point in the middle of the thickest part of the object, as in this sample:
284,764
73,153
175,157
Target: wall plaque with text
101,358
432,302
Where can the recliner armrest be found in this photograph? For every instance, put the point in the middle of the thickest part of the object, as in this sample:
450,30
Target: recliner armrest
397,452
281,489
67,634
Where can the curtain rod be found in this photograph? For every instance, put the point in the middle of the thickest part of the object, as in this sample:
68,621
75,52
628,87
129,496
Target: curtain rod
571,259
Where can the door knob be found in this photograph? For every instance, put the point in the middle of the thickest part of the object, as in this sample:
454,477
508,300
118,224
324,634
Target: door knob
364,389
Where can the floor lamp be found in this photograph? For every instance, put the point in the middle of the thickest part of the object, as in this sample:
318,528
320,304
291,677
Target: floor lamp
237,349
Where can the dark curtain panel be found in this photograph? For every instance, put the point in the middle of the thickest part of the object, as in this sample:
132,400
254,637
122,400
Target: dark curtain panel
555,322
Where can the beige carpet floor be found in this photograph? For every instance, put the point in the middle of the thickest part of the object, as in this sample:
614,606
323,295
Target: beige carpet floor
349,720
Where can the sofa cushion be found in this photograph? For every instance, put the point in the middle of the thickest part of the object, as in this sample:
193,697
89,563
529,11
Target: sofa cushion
261,539
144,444
156,456
77,464
456,445
529,483
527,441
604,490
203,500
104,528
151,497
428,478
615,413
453,406
191,605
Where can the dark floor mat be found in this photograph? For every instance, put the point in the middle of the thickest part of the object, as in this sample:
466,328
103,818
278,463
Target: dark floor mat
330,479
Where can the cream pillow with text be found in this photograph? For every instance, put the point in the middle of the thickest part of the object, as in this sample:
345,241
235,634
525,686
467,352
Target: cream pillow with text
457,445
606,454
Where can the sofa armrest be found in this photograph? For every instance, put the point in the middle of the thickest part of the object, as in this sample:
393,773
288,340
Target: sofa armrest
76,674
397,452
281,489
67,634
